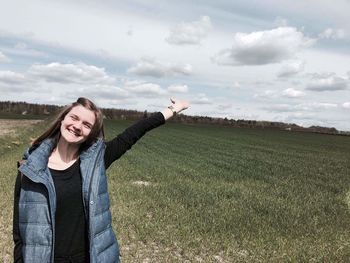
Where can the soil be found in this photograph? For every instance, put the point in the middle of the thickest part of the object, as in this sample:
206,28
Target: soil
9,127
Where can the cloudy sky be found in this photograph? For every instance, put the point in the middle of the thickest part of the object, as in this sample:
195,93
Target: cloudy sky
266,60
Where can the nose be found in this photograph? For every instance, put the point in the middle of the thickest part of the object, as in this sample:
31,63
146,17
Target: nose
77,126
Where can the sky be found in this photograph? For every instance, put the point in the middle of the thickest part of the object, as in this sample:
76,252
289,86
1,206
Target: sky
270,60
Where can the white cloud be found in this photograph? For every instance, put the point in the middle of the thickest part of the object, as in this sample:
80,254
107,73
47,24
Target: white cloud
263,47
190,33
12,78
327,82
154,68
293,93
19,49
4,58
291,68
298,116
302,107
322,105
280,108
266,94
224,107
346,105
105,92
143,88
71,73
276,94
178,88
22,49
331,33
13,83
201,99
236,84
233,86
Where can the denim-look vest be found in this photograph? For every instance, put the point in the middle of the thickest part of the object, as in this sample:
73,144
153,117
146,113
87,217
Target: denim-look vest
37,206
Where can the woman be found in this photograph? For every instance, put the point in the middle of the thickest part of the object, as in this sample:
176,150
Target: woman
61,209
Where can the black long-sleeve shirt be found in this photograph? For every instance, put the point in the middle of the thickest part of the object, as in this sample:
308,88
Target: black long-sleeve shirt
71,239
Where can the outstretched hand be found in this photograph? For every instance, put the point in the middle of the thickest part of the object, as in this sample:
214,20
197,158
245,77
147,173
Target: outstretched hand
179,105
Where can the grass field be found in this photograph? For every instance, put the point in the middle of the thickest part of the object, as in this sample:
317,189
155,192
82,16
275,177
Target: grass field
188,193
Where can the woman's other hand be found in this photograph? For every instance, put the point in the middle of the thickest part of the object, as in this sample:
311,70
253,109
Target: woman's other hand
176,107
179,105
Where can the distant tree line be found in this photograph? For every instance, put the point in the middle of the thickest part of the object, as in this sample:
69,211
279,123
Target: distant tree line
24,108
241,123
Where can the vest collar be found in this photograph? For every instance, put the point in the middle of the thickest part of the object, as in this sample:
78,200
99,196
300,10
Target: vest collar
92,150
37,158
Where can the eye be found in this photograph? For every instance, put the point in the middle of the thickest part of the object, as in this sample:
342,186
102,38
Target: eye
73,117
88,126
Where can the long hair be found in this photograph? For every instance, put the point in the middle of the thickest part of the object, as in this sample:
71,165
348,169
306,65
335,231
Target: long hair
54,131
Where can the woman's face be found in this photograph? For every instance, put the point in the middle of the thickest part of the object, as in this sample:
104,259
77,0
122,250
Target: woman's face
77,124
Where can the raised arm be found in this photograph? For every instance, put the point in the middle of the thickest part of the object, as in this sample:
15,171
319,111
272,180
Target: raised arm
116,147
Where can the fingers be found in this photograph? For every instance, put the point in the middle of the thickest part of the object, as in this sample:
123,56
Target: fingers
181,104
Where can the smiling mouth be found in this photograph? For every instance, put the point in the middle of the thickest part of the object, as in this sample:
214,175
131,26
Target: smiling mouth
74,133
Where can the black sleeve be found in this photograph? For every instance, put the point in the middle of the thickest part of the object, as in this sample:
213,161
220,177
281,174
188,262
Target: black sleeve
17,252
116,147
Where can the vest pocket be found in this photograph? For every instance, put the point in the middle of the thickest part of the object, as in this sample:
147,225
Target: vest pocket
35,213
34,234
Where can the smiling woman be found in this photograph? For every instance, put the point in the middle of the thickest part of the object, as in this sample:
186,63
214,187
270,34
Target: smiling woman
77,124
61,206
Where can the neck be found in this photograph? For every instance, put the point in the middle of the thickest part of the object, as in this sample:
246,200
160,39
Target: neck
65,151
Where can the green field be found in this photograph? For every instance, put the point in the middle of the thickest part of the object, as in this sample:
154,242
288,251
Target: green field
189,193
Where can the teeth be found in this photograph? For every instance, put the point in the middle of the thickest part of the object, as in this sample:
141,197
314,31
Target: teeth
72,132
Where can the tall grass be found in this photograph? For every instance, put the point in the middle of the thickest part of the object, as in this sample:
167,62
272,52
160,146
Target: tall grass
218,194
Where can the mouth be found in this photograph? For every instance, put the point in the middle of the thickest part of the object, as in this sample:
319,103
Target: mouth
73,132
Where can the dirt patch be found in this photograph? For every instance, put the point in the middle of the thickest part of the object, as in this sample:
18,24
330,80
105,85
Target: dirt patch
141,183
9,127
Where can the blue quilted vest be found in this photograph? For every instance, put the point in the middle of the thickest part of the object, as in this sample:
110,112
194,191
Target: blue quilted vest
37,206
